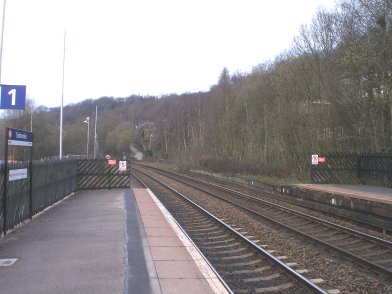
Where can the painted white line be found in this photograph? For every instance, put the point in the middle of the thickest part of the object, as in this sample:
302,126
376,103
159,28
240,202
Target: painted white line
7,261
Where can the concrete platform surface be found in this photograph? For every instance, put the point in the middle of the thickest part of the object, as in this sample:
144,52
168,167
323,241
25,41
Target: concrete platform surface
75,247
367,199
371,193
104,241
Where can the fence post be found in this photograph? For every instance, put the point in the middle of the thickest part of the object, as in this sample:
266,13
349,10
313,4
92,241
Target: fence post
31,187
4,201
359,171
109,180
311,173
5,182
31,179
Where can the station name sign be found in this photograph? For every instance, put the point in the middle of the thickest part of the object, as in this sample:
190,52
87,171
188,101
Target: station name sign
20,137
17,174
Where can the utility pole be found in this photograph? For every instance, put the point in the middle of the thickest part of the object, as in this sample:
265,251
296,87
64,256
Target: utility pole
62,103
87,121
95,133
2,37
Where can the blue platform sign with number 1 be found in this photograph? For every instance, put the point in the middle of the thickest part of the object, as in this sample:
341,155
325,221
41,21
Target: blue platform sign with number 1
12,97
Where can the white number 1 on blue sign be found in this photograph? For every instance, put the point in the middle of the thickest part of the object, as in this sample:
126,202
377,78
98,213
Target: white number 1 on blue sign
13,96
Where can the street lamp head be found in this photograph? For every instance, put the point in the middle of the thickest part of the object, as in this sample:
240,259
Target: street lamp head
87,120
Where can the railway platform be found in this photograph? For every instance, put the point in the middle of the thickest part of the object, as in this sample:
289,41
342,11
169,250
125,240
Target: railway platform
104,241
368,199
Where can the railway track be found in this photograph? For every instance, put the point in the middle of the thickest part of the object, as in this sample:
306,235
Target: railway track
368,251
378,223
244,266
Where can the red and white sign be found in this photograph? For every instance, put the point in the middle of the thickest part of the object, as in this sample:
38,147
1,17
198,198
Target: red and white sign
112,162
316,159
322,159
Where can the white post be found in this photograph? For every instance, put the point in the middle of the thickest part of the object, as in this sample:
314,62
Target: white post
88,134
62,103
95,133
2,37
87,121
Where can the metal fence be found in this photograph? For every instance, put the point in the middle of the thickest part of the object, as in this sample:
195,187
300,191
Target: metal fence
98,174
354,168
51,181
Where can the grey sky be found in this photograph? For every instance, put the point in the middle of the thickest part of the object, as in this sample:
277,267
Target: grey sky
123,47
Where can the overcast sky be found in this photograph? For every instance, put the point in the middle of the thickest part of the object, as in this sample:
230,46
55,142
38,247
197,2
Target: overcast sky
147,47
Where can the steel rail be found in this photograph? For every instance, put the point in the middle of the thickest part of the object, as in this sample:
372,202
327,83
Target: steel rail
337,226
343,213
201,253
381,223
310,217
313,218
139,180
377,222
298,277
376,267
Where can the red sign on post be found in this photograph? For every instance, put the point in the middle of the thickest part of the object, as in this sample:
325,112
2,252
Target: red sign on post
322,159
316,159
112,162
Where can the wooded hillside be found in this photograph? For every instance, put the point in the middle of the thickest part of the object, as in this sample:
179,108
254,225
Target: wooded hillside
330,92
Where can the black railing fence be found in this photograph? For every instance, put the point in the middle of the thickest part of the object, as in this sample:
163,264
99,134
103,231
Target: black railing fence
354,168
98,174
51,181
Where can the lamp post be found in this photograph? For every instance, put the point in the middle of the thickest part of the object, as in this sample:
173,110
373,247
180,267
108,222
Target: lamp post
2,38
62,102
95,133
87,121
